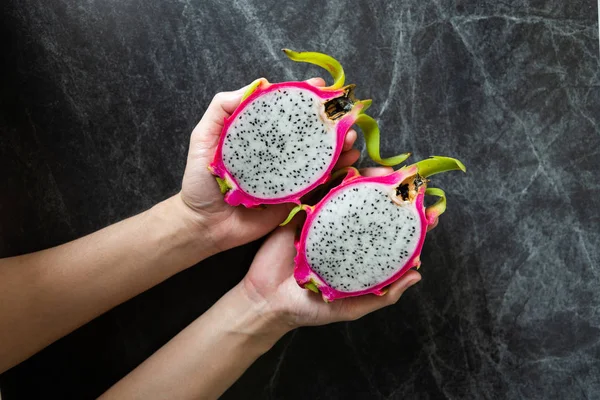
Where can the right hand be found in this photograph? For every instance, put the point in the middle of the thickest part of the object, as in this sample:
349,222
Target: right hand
271,284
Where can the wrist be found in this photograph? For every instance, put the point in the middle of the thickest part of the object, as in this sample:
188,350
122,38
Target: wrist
257,320
181,232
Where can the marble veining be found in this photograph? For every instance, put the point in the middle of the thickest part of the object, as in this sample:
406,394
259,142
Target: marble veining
99,97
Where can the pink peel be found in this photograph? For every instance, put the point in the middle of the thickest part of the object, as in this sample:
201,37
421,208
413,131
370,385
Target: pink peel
251,172
235,196
306,276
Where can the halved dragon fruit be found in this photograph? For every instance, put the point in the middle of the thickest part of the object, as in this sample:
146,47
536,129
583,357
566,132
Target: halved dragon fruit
368,231
285,138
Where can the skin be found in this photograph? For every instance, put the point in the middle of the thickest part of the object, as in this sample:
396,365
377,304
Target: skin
47,294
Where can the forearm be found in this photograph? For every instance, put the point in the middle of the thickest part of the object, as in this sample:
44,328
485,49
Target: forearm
47,294
204,359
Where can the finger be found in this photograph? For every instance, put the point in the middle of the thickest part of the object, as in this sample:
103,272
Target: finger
357,307
376,171
298,219
398,288
349,140
347,158
320,82
226,102
221,106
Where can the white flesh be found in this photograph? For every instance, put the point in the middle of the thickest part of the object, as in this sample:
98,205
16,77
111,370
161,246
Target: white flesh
361,238
279,144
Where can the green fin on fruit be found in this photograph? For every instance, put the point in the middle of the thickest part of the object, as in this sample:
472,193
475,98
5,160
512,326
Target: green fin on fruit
251,88
223,185
436,164
322,60
311,286
370,131
365,104
293,213
438,208
346,172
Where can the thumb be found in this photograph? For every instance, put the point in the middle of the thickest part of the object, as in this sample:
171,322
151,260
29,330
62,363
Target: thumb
221,107
223,104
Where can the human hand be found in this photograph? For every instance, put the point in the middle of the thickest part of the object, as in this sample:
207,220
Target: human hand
231,226
271,285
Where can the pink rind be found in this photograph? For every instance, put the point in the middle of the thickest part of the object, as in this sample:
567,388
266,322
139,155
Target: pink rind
236,196
302,270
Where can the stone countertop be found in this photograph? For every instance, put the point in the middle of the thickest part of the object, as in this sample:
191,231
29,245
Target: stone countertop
97,103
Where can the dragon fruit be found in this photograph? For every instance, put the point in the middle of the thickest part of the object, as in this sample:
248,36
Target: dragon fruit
368,231
285,138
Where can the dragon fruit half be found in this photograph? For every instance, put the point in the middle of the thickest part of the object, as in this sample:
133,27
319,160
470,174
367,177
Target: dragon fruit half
285,138
368,231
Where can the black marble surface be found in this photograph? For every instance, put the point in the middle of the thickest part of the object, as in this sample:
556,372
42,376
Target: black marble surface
97,102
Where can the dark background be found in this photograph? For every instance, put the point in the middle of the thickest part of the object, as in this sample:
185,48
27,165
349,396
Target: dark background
98,99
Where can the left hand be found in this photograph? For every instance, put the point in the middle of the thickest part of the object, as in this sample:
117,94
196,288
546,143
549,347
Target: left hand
231,226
